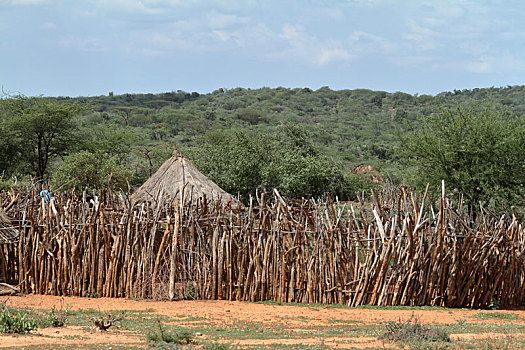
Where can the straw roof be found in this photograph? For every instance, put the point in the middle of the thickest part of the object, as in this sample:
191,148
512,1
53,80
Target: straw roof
4,219
178,175
8,234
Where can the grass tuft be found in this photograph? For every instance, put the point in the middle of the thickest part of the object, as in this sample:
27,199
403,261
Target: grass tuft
496,316
217,346
162,336
58,317
412,330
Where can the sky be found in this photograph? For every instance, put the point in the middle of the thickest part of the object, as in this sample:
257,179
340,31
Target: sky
93,47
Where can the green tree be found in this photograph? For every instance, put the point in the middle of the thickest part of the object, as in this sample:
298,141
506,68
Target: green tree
87,170
44,128
110,139
9,152
479,151
233,159
243,161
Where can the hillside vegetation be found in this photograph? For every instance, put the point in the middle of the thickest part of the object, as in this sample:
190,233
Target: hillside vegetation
286,128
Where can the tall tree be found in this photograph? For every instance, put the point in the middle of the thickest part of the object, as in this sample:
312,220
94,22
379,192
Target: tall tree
242,161
479,151
44,127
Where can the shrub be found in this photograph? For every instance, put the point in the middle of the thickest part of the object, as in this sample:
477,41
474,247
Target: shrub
91,170
169,336
412,330
15,321
478,151
58,318
243,162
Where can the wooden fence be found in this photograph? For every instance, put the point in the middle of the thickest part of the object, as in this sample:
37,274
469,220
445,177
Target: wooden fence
400,249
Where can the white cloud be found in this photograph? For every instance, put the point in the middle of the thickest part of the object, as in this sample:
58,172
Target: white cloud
420,38
498,63
449,9
329,55
155,7
333,13
81,44
482,65
305,48
27,2
198,36
48,25
294,34
138,6
219,20
364,43
414,60
475,48
436,24
454,36
222,35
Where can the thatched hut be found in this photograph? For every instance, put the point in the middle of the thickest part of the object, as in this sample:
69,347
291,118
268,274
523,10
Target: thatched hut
368,171
8,234
176,177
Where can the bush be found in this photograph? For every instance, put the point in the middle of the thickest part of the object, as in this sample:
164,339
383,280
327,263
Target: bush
15,321
412,330
478,151
162,337
58,318
92,171
243,161
8,183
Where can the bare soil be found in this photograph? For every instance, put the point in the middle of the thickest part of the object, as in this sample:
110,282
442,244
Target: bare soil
228,314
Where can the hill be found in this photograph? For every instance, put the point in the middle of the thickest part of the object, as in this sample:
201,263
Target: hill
350,127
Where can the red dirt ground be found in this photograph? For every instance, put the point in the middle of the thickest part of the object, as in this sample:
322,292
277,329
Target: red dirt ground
223,313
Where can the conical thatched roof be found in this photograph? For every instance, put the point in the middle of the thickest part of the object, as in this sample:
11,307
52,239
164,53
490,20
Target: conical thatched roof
4,219
178,175
8,234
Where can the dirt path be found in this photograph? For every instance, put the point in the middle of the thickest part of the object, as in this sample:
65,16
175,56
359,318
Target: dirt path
226,313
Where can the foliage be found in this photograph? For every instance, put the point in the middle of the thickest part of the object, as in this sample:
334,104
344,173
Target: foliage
346,128
478,151
9,152
412,330
40,128
217,346
92,171
15,321
17,184
169,336
114,142
494,304
244,162
58,318
496,316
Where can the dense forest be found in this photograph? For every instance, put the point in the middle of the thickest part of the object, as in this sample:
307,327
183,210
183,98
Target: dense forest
303,141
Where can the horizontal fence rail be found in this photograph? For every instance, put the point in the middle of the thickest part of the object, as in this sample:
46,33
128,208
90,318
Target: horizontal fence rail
399,249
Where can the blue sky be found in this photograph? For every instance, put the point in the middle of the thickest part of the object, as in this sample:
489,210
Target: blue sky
91,47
